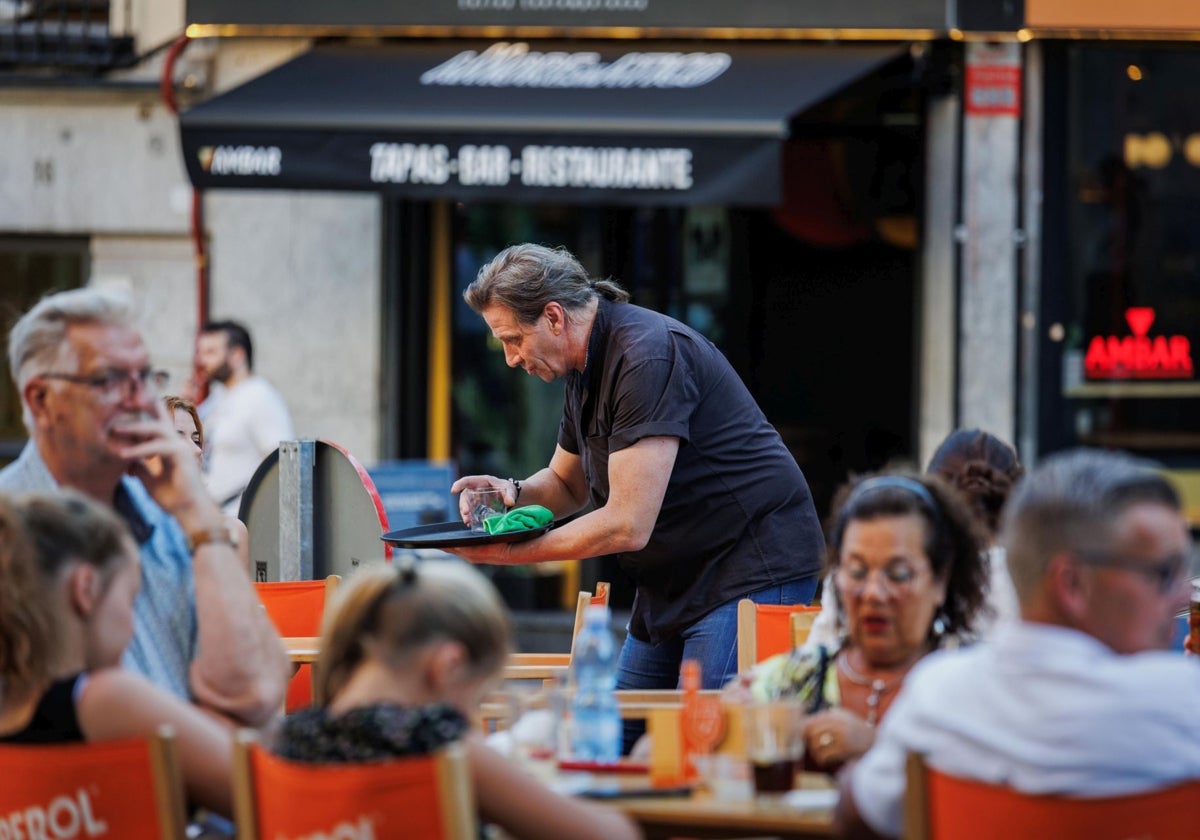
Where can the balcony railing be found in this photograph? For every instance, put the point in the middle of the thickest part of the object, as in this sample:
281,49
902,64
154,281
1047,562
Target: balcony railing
67,34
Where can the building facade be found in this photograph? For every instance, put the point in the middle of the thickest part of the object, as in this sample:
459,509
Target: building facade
893,220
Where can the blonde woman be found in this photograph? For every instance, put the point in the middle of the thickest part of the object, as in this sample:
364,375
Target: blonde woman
407,653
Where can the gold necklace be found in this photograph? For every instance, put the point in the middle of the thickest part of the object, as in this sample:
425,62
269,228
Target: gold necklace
878,686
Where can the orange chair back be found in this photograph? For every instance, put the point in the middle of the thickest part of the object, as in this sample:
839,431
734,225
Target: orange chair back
953,808
92,790
584,599
765,630
601,596
296,608
424,798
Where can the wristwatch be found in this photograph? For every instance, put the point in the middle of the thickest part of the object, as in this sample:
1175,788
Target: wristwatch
215,534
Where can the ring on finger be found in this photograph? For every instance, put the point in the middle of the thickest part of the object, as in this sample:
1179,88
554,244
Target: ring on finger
825,740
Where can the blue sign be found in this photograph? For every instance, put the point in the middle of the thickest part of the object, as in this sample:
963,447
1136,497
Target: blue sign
415,492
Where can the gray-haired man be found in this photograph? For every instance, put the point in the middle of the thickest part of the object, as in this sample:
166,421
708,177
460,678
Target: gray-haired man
91,404
1078,697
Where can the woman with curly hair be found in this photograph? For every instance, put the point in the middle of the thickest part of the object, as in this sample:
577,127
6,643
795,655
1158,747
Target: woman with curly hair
984,469
907,569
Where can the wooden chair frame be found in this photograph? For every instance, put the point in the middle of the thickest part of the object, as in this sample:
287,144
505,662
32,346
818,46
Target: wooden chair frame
541,666
802,624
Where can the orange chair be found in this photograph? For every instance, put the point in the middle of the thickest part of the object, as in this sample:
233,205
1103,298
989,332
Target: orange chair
942,807
765,630
296,607
530,661
802,625
95,789
423,798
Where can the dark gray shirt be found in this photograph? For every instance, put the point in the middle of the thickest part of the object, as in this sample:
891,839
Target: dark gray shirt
737,516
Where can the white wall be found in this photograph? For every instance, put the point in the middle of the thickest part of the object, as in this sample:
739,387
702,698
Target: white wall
85,162
302,270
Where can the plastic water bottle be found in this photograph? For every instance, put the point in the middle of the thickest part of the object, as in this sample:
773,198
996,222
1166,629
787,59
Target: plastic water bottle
595,717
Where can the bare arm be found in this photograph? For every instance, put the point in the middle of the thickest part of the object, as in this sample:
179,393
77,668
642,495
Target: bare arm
120,704
638,477
240,668
526,809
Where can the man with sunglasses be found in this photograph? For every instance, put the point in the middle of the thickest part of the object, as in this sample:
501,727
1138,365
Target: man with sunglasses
1079,697
91,402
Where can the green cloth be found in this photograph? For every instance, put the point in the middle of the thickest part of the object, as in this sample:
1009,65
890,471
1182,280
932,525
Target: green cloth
519,519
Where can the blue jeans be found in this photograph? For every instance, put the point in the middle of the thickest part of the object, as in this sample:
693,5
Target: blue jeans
712,640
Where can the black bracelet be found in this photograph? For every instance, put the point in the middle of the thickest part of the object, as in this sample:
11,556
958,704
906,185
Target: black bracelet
517,495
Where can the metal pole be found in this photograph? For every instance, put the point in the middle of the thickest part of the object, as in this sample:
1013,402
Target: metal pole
296,461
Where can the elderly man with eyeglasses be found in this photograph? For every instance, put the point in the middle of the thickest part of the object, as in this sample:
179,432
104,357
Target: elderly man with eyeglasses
90,400
1079,697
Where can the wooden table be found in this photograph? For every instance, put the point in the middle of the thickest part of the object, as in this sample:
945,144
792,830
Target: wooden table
302,650
702,815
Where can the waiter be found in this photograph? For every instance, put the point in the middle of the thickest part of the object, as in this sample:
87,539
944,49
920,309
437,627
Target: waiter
690,486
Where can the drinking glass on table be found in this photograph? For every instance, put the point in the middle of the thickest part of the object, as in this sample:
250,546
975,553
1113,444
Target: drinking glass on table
774,733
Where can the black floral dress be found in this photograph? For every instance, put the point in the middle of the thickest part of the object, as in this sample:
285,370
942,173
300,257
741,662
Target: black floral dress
369,733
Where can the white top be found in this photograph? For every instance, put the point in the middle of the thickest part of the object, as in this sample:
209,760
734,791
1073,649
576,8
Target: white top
1042,709
1001,597
244,425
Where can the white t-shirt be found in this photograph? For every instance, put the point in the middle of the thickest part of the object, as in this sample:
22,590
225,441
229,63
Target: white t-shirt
1042,709
244,424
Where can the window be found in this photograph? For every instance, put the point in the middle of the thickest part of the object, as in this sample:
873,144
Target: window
30,268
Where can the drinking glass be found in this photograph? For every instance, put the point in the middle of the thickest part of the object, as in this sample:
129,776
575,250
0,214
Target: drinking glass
774,734
483,504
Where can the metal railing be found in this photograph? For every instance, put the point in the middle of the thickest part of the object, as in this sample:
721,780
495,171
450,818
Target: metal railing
67,34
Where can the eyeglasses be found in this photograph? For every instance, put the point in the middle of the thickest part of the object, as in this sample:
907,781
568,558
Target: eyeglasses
895,578
114,383
1164,573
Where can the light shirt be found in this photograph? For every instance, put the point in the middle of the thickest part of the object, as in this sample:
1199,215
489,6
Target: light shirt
164,612
1042,709
244,425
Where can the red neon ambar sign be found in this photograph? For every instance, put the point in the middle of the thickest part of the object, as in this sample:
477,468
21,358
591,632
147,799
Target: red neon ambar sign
1139,356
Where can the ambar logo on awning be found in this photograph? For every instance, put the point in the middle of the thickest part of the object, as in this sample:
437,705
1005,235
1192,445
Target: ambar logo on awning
1139,356
241,160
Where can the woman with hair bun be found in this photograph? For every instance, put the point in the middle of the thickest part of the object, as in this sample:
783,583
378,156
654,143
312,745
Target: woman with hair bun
984,469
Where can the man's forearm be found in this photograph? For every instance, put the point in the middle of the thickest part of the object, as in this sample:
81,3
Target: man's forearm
546,488
240,668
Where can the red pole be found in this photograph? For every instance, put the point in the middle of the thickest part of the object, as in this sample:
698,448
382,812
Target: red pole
197,387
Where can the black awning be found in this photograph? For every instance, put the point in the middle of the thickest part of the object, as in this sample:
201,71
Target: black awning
575,122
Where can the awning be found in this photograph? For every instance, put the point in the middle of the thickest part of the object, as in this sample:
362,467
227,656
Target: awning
572,122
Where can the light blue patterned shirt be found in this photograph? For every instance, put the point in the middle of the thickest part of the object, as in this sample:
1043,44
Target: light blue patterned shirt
164,614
